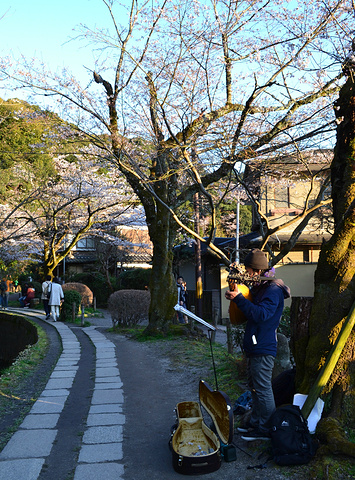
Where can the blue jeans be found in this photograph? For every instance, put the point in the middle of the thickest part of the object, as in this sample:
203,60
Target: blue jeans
4,300
46,307
181,315
259,378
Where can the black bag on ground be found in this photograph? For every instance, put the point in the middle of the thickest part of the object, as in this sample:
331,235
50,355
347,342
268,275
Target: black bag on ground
291,441
284,387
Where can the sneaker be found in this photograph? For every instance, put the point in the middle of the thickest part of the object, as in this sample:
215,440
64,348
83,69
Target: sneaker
248,428
255,435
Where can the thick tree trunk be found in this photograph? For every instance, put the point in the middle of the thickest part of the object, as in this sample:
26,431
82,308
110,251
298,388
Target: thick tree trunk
161,189
48,264
299,318
334,278
163,291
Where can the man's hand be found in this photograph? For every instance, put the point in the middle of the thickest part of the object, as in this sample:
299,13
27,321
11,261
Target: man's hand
230,295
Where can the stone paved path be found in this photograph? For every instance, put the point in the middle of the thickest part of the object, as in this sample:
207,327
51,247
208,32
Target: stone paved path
26,455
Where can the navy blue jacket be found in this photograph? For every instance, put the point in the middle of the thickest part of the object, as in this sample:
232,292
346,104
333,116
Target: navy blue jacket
263,314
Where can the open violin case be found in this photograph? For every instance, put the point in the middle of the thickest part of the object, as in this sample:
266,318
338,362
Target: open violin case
196,449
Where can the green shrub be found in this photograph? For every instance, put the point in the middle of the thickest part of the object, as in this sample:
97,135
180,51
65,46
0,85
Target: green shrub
135,278
66,312
87,297
38,289
238,336
97,284
285,323
129,307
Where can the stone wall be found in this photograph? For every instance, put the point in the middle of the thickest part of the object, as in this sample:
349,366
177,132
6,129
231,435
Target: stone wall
16,334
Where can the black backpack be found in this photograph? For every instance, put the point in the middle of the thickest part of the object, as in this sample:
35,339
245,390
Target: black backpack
291,441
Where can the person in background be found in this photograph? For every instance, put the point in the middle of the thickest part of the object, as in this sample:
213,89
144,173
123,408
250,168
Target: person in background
182,298
45,296
12,286
263,315
25,301
4,293
56,298
22,297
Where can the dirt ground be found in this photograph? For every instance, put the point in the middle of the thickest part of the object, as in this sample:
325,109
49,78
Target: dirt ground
153,385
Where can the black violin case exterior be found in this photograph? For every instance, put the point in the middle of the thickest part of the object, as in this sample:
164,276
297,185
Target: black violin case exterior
196,449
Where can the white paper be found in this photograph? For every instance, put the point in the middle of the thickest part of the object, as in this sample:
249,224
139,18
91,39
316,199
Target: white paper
315,414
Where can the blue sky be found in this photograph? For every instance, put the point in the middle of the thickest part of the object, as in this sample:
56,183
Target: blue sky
43,28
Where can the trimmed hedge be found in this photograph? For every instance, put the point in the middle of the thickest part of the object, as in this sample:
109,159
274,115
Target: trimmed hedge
129,307
97,284
85,292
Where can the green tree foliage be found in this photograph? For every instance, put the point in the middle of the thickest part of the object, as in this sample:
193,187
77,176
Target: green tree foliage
66,312
135,278
26,140
226,219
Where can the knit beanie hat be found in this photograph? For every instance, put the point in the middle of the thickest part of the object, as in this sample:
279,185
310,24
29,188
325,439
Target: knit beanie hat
256,259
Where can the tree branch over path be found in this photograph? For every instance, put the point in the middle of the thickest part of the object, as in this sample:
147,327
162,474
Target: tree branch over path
190,92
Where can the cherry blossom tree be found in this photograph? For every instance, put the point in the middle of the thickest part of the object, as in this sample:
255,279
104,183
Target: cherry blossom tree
187,91
55,188
82,200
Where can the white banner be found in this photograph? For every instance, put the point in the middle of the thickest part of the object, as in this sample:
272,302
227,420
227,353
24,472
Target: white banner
180,308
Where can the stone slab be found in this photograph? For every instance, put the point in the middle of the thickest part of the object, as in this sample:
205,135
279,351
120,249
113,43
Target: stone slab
107,372
55,393
70,356
98,380
112,434
66,368
49,405
47,420
69,345
107,452
105,408
108,386
115,395
96,419
24,469
106,363
67,363
105,347
57,383
98,470
105,354
64,373
29,444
